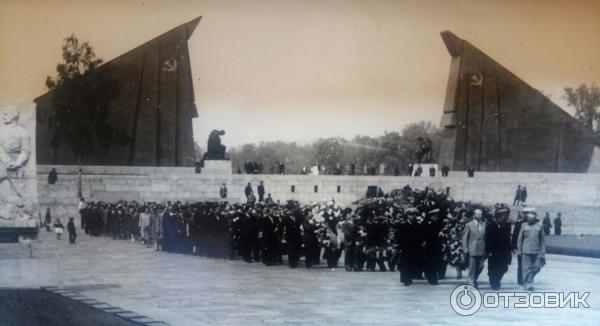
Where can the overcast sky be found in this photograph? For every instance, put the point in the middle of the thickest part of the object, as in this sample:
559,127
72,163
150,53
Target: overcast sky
298,70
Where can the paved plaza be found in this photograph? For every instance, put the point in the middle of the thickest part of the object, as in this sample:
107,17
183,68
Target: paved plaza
186,290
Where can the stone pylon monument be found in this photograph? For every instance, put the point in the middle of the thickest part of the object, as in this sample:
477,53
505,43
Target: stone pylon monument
155,107
495,121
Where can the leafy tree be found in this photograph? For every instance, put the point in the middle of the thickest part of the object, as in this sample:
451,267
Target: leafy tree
409,145
328,152
586,101
80,102
394,149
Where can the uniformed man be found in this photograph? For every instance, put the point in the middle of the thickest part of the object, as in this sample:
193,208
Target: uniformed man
532,248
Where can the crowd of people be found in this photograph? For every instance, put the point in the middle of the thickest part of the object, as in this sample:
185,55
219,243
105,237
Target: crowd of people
418,232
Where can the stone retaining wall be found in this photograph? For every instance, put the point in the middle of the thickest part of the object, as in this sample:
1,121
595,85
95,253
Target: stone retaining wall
553,190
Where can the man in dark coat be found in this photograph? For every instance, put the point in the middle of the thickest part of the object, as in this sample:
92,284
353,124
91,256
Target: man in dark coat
517,199
169,231
71,229
523,195
247,235
248,190
558,224
409,246
267,237
261,191
352,169
546,224
223,191
498,247
347,227
52,177
376,235
293,235
432,248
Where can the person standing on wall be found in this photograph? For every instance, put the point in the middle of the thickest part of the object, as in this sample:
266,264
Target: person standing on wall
223,191
517,199
52,176
248,190
558,224
523,195
471,172
80,208
261,191
546,224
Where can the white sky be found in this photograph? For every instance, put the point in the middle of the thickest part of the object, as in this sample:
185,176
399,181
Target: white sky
298,70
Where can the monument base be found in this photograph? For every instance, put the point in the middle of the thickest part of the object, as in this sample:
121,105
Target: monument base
216,167
426,169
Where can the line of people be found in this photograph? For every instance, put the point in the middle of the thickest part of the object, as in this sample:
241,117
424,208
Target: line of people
418,232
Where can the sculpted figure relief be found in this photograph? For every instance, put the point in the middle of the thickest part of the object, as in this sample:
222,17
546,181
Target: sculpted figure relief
15,149
215,150
423,153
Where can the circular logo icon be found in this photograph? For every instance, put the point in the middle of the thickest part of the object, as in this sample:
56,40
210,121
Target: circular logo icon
465,300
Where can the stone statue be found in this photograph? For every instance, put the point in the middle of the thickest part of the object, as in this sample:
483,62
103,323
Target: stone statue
215,150
15,149
423,152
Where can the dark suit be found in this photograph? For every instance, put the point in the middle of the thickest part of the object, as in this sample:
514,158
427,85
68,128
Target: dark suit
261,192
432,250
293,237
409,246
498,247
311,243
247,191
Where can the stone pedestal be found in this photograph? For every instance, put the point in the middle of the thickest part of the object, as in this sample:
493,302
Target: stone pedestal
216,168
426,167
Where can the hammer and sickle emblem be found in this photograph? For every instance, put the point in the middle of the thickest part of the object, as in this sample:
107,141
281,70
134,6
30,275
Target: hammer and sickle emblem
477,79
169,65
